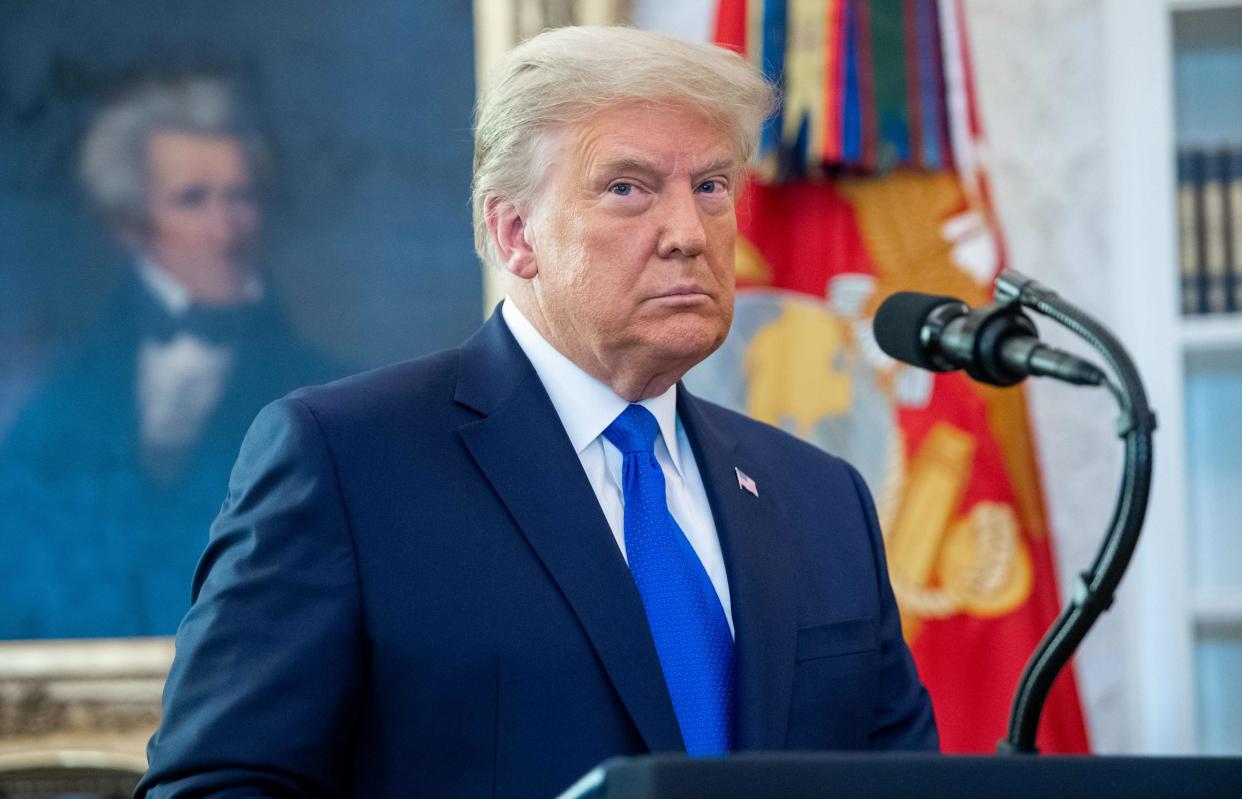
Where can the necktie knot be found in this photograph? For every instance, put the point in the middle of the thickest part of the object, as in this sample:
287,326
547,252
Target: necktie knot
634,430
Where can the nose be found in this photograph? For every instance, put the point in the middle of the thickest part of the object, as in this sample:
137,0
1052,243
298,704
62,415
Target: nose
681,233
219,222
229,220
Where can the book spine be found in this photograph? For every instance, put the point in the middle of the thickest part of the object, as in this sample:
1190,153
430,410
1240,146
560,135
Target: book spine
1235,229
1188,229
1215,249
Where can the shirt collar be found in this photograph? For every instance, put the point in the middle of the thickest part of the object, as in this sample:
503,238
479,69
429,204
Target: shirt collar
585,405
172,293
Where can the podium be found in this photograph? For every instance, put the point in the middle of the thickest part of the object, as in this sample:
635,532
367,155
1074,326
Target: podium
799,775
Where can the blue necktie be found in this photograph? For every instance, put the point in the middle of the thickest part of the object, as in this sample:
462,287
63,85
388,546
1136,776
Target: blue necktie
687,621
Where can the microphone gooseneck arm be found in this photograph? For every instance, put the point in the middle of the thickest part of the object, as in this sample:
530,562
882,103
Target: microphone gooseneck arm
1095,588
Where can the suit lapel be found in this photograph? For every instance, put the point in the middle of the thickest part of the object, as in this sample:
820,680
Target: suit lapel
522,449
760,578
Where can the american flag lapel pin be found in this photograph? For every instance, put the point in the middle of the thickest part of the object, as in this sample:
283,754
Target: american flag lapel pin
745,482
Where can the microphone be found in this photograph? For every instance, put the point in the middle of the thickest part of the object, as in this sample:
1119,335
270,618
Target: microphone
997,344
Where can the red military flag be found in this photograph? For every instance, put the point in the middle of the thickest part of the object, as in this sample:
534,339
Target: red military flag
868,182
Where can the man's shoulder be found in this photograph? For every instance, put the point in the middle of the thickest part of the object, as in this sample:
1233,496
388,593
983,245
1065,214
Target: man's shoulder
407,389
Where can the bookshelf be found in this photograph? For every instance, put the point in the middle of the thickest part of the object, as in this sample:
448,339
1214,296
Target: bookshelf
1205,62
1220,333
1218,610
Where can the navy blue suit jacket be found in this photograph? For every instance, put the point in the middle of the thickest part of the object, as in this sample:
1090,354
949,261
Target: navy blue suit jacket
412,591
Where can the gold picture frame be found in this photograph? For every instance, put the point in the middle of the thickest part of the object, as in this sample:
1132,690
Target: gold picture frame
81,696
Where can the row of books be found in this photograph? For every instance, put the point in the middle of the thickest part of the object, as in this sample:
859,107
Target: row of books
1209,206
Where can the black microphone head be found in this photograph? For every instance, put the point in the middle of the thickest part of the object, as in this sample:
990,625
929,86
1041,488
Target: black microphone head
899,324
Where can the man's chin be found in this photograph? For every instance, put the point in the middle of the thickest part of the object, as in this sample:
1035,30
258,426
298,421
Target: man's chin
217,282
688,343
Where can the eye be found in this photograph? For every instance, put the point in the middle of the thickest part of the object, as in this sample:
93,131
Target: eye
622,189
711,187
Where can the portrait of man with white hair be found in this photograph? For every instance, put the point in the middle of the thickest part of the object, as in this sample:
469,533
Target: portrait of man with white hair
482,572
115,467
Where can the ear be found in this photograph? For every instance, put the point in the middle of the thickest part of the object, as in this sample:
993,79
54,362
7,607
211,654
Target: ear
507,225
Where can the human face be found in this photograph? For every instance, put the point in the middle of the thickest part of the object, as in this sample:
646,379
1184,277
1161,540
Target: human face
203,217
632,238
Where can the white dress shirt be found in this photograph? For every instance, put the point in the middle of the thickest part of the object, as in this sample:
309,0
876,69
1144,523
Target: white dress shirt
179,382
586,407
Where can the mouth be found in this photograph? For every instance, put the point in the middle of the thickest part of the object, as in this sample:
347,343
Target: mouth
682,294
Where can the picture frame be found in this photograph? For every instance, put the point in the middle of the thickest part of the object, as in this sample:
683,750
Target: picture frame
83,695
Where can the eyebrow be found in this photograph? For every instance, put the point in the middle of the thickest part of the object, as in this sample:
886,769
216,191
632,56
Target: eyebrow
719,165
642,166
628,165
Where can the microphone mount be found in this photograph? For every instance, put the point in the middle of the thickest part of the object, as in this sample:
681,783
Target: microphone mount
1095,588
984,338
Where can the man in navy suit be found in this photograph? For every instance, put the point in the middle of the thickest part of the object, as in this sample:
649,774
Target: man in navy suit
482,572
